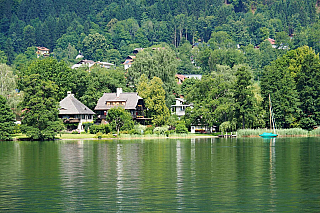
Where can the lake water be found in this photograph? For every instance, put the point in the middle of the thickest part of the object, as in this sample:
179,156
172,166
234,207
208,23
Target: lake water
170,175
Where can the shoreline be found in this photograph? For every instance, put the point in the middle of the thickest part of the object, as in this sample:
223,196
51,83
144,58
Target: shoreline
138,138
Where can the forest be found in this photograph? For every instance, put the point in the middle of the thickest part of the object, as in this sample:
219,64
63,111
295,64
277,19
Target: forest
244,50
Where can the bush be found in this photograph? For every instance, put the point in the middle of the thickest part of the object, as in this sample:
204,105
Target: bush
139,129
103,128
75,132
86,126
148,132
181,128
160,130
133,132
16,129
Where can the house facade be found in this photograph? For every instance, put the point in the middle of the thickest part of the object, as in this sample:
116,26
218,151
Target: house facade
83,63
180,107
128,62
130,101
74,113
42,51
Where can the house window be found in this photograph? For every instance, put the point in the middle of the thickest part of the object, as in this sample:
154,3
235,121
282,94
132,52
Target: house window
83,116
108,103
89,117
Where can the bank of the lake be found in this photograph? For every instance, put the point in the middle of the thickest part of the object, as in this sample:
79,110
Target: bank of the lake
86,136
292,132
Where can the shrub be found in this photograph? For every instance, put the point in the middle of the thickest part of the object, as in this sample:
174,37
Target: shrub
139,129
148,132
181,128
103,128
160,130
86,126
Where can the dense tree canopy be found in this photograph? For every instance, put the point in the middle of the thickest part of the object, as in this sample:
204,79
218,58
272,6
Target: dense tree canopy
41,108
6,120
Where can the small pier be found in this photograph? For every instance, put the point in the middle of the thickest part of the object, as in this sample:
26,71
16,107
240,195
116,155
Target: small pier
228,135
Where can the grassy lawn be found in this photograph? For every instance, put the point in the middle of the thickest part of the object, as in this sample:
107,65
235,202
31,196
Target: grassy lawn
75,136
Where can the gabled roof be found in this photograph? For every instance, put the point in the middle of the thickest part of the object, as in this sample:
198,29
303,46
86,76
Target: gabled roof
272,41
72,106
131,99
42,49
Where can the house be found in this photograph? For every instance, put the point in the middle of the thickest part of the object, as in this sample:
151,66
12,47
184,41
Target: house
72,111
130,101
83,63
180,78
202,128
272,42
128,62
180,107
105,64
136,50
196,76
42,51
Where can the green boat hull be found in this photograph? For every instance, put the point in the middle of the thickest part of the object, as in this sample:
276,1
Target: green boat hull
268,135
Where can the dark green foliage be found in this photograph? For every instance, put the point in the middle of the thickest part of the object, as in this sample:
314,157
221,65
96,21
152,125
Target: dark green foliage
51,70
6,120
293,83
245,103
40,117
103,128
119,118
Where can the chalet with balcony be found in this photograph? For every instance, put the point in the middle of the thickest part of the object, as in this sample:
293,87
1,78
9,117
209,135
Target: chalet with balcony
180,107
74,113
130,101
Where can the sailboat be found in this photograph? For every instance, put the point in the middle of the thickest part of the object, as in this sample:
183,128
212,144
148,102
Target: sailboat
272,125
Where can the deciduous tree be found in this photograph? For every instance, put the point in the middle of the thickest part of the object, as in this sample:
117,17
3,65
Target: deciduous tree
40,118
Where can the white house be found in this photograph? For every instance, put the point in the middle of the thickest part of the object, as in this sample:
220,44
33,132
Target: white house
180,107
83,63
128,62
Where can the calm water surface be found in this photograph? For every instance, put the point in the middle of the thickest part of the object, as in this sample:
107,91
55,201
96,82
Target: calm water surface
180,175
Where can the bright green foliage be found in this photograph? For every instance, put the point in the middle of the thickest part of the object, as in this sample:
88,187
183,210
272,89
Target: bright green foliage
8,86
181,127
40,118
119,119
308,86
154,96
159,63
6,120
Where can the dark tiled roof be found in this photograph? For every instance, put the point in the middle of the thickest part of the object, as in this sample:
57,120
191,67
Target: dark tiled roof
72,106
131,99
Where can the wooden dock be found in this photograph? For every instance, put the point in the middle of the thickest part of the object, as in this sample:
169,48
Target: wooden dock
228,136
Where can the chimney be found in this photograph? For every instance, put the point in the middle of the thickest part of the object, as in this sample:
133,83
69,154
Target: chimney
69,93
119,91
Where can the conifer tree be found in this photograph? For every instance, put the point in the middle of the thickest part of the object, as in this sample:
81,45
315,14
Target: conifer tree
6,120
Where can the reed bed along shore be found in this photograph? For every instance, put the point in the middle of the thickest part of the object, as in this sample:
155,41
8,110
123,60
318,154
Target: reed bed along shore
293,132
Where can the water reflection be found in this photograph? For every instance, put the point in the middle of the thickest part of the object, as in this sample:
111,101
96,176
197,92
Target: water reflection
228,175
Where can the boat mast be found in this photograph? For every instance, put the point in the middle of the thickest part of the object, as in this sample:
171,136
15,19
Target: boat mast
270,112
